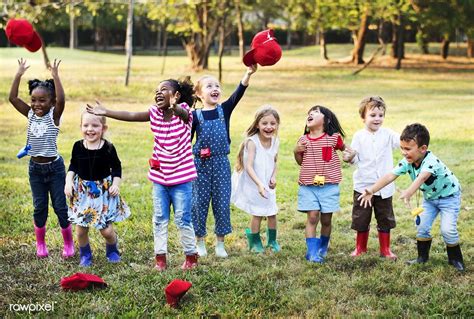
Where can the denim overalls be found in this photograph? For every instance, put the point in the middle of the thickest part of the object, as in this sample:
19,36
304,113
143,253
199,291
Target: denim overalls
214,176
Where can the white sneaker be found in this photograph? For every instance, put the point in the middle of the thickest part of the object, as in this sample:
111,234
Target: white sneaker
220,250
201,248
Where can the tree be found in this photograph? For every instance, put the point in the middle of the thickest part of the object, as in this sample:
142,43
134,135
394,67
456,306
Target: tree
129,39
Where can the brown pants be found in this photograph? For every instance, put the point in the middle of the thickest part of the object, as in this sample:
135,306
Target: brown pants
383,211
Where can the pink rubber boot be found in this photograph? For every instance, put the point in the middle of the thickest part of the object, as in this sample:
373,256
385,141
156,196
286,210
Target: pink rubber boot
68,250
41,249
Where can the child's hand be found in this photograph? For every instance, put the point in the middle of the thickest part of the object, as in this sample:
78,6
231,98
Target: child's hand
301,146
173,101
405,196
55,68
365,198
96,110
22,67
68,190
348,154
114,190
272,183
252,69
262,191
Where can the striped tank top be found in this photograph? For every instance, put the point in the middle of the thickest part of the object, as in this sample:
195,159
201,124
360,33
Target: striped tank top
42,134
172,148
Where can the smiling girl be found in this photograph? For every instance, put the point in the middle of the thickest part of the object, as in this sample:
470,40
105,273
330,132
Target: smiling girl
92,184
172,168
254,180
211,150
320,175
46,168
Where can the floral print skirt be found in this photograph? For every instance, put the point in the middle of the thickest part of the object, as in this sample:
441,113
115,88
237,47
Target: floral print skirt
92,205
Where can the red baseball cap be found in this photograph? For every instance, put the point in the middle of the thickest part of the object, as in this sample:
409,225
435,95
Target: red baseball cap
176,290
80,281
265,50
21,32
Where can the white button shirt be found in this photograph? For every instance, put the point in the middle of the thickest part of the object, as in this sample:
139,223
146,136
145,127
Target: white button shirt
374,158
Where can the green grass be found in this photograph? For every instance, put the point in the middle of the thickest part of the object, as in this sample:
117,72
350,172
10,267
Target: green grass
281,284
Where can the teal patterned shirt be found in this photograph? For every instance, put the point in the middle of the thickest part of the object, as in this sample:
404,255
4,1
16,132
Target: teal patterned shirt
441,183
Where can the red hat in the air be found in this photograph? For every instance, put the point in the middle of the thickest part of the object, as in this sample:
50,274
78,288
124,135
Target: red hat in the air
21,32
265,50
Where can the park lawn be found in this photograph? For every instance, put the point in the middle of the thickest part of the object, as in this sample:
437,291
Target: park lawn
282,284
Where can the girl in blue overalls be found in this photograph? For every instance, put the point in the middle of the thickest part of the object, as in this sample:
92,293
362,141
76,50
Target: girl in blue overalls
211,125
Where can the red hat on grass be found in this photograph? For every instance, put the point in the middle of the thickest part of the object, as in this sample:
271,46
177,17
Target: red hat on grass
175,291
80,281
265,50
21,32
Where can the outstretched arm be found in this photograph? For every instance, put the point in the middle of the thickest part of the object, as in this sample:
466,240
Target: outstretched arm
99,109
60,99
18,103
250,70
365,198
408,193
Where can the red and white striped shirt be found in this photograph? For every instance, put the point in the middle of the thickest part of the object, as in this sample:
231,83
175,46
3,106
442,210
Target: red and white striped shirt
172,148
320,158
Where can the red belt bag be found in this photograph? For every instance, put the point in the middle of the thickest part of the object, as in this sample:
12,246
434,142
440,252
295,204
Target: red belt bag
205,152
154,164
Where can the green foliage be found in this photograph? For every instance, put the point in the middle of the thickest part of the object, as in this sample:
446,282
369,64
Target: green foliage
244,285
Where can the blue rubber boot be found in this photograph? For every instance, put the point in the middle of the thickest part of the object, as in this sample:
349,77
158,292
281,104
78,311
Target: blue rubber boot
312,253
112,253
323,250
86,256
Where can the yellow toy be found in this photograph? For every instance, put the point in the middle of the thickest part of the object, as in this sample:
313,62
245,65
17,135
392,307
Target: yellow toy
319,180
417,211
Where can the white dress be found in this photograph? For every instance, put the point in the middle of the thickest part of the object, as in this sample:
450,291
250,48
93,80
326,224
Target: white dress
245,193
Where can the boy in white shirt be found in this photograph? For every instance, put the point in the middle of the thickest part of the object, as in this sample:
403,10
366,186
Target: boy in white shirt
371,150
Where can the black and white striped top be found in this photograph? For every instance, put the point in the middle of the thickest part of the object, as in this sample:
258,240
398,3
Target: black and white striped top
42,134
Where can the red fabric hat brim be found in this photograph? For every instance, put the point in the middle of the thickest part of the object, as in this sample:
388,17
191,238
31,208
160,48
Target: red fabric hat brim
176,290
249,58
19,31
35,43
80,281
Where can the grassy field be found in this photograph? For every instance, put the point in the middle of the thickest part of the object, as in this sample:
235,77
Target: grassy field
439,94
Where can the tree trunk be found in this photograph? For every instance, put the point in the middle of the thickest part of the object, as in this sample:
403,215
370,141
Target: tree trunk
470,47
288,35
445,47
322,45
72,26
400,42
198,45
359,44
165,49
221,47
158,39
47,64
240,29
381,36
129,39
422,40
96,32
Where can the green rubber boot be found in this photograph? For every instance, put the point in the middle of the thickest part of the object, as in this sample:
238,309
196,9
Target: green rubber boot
271,240
254,241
